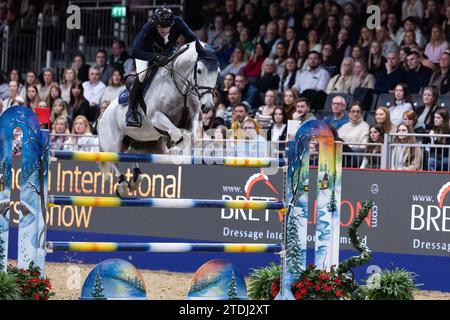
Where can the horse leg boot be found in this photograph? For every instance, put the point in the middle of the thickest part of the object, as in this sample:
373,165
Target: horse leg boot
135,181
133,117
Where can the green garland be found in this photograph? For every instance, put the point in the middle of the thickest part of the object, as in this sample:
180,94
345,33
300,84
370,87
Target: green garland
365,254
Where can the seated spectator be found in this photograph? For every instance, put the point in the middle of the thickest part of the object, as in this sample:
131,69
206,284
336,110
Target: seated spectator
32,97
401,102
394,73
409,40
248,91
115,86
405,157
329,61
254,65
228,82
356,130
343,49
49,81
331,29
376,60
59,139
31,79
14,97
100,63
383,118
245,41
412,8
278,130
280,57
256,146
54,93
80,67
269,78
291,40
78,105
302,111
287,80
386,43
84,140
69,77
433,16
418,76
13,76
367,36
410,118
93,91
216,31
240,113
441,77
446,23
313,41
410,24
339,116
103,106
238,62
315,78
264,113
120,59
425,113
357,54
376,135
437,44
301,55
438,157
342,82
362,78
234,97
289,98
219,106
59,109
218,146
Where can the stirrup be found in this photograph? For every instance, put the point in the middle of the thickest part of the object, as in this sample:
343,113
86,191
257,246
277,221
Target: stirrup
132,123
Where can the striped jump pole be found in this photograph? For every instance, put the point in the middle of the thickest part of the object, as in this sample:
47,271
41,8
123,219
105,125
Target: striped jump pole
168,159
163,203
162,247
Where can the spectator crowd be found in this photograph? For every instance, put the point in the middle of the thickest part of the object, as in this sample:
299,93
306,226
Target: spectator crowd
287,60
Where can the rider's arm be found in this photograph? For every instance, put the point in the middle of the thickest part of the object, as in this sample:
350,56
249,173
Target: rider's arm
142,45
185,30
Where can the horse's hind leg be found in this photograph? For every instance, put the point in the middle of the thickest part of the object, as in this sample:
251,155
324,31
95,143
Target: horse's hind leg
136,180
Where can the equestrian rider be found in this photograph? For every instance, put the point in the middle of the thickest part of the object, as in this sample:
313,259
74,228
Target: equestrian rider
156,41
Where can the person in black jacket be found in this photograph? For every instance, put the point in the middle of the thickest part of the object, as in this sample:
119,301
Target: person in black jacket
156,41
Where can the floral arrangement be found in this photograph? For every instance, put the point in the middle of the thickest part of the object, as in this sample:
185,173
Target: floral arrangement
31,284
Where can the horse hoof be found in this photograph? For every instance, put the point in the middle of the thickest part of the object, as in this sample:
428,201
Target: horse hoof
135,182
122,189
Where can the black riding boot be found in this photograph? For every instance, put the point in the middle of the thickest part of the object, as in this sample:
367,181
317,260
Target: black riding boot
133,117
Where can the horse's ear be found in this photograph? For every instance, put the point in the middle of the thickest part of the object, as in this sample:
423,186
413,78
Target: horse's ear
219,51
199,48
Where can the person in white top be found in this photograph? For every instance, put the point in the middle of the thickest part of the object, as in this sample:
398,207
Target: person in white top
315,77
14,97
94,88
343,81
356,130
115,86
31,79
44,90
82,139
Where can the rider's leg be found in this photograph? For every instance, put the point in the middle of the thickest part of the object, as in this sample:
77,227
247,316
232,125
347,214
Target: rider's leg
133,118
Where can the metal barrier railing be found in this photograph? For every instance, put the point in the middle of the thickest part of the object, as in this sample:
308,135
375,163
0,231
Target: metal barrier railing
396,156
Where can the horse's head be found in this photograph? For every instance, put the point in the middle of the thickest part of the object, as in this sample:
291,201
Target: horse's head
205,75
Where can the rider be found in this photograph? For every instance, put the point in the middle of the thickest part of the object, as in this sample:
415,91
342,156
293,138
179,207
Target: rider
156,41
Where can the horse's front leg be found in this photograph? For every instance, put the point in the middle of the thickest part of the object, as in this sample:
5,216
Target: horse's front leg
160,121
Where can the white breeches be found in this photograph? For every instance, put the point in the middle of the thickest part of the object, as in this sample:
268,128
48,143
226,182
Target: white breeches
141,69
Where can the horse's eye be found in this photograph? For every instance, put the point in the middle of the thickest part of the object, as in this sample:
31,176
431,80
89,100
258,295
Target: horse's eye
199,71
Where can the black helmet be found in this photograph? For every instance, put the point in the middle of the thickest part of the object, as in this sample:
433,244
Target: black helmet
163,17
